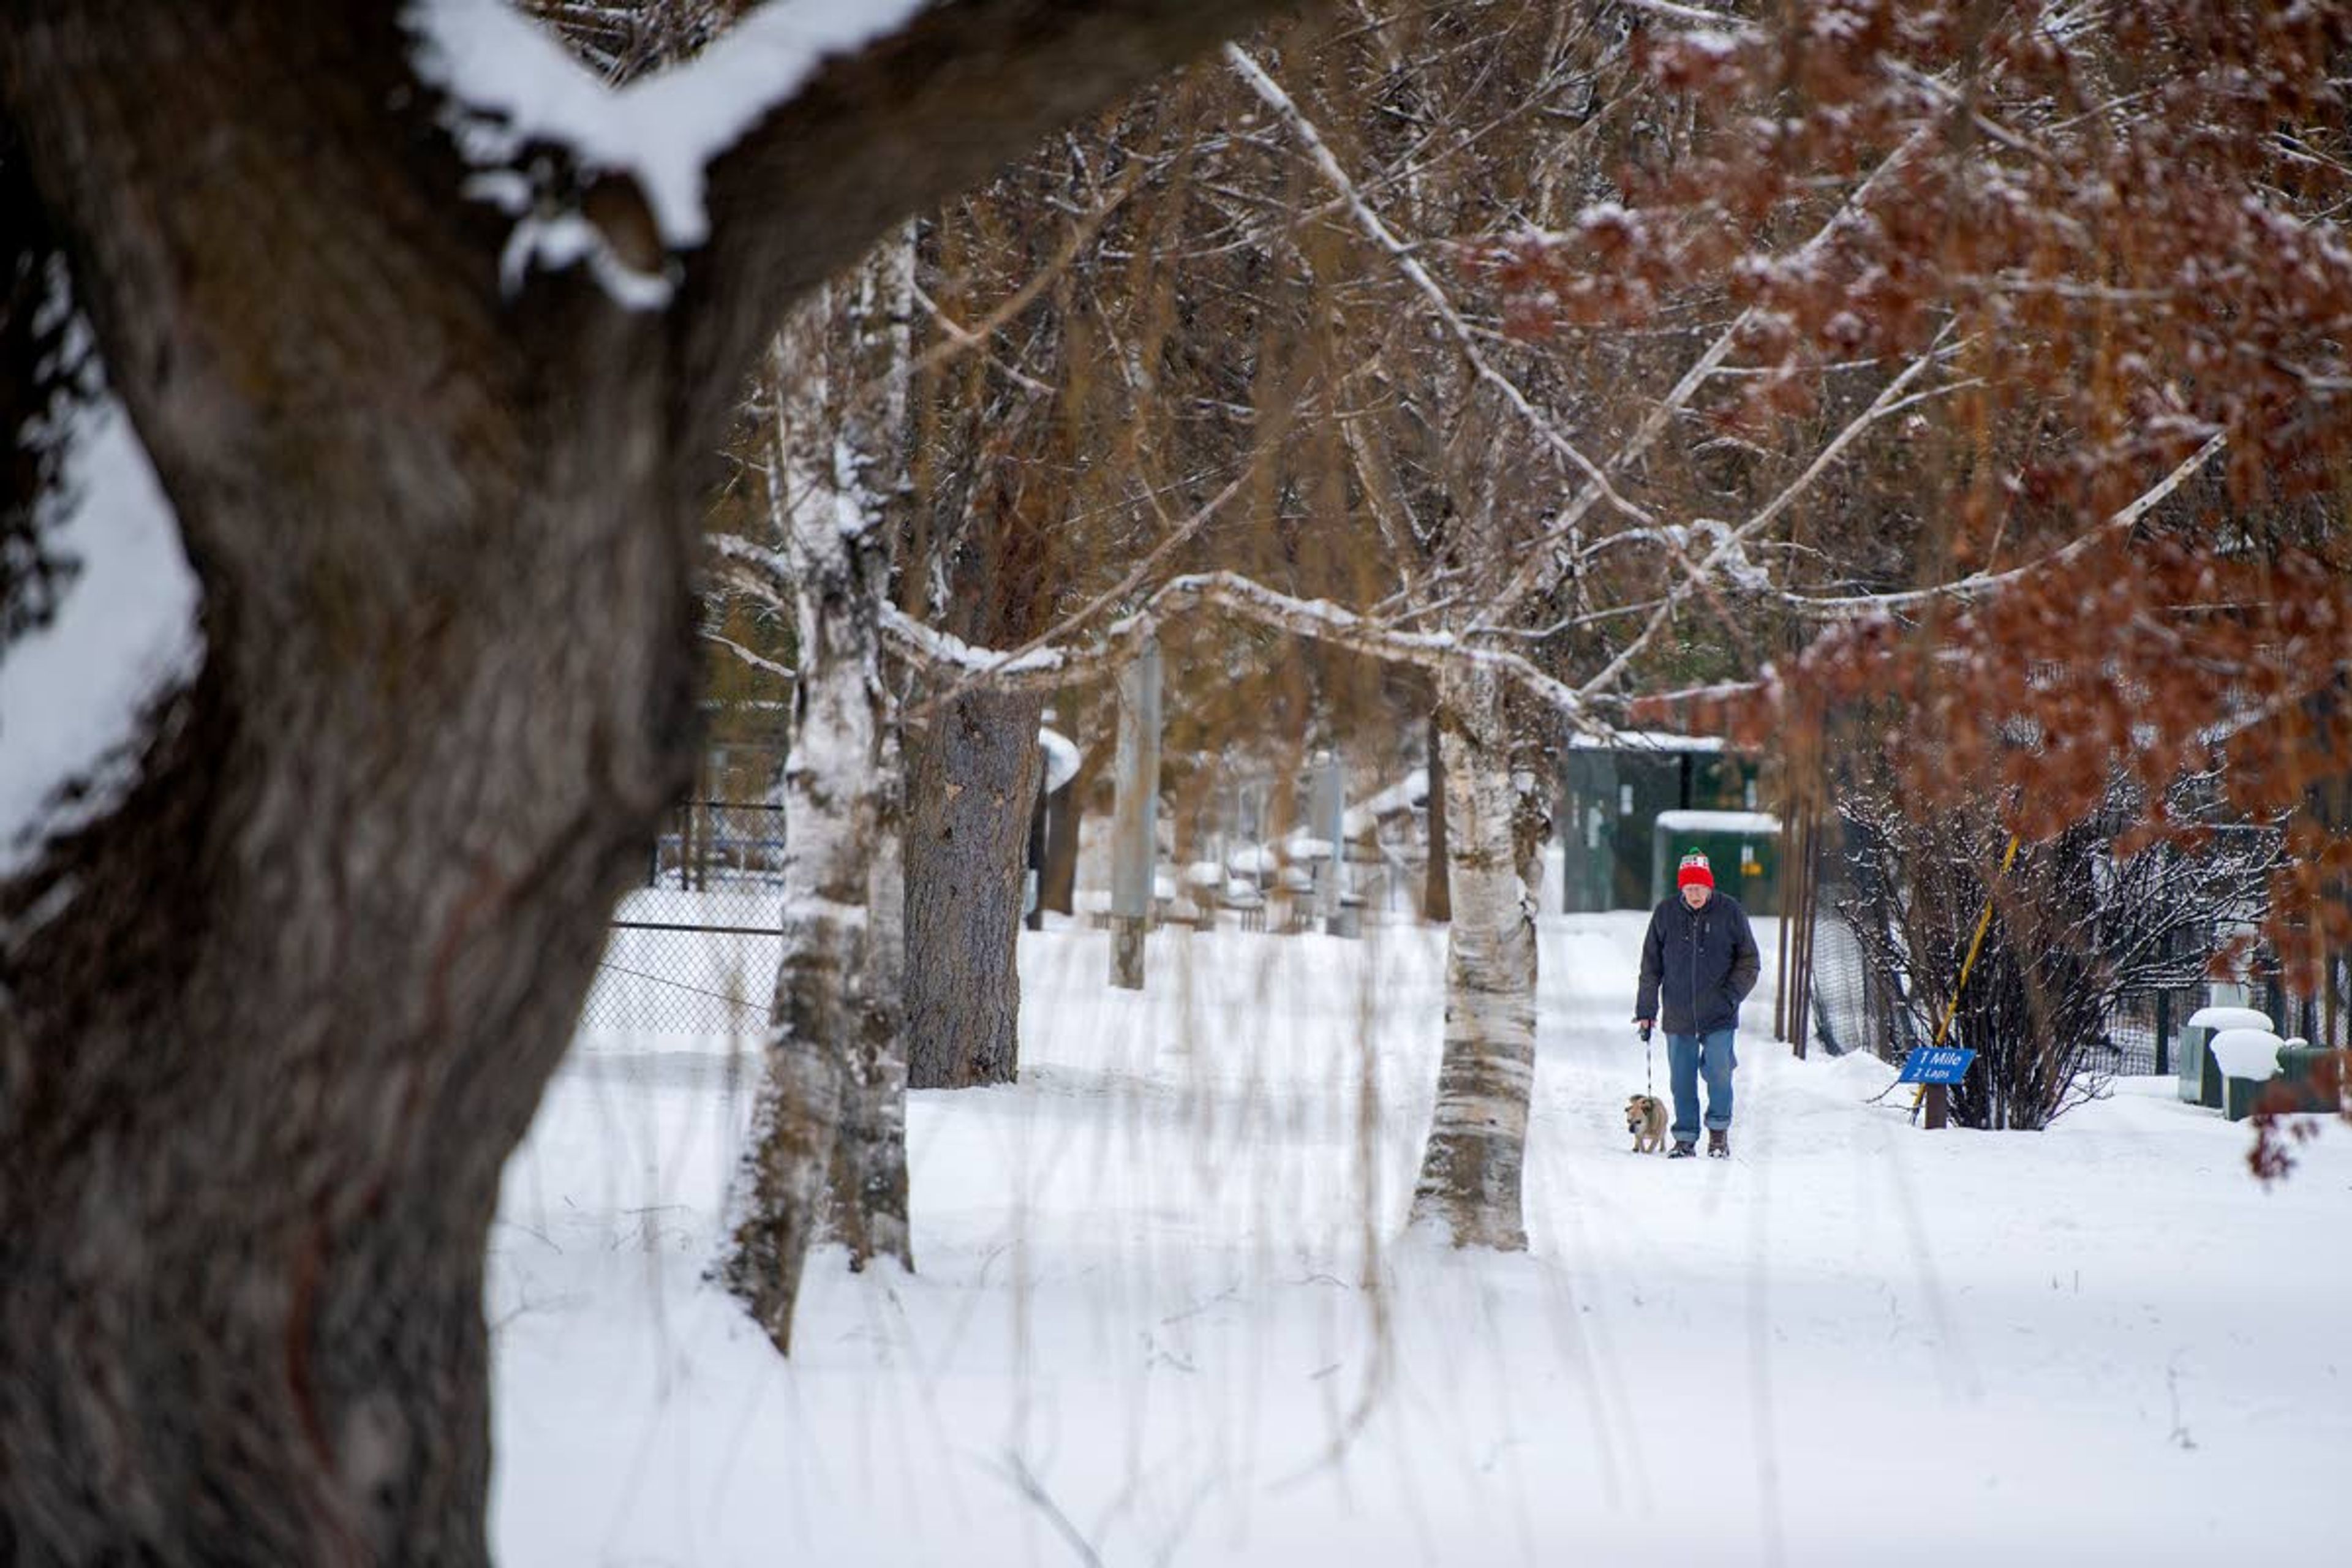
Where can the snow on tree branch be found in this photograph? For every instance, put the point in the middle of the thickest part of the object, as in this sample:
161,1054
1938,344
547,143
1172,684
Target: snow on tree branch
1718,23
927,645
751,658
765,570
512,85
1047,667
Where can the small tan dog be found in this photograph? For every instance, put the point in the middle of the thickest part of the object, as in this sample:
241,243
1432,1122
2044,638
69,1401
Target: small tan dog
1645,1119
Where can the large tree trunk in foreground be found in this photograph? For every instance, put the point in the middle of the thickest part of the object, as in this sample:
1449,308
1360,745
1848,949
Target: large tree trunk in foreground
268,1030
1478,1136
270,1024
972,785
272,1029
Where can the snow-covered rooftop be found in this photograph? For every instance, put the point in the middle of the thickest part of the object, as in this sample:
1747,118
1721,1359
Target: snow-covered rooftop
2227,1018
1645,740
1754,824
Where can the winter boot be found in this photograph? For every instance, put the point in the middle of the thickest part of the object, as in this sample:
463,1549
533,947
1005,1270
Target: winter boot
1718,1143
1683,1149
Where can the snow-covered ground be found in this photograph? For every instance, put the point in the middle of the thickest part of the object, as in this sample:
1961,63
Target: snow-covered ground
1165,1314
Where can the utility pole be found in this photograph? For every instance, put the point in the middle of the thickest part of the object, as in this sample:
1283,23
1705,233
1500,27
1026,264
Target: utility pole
1134,816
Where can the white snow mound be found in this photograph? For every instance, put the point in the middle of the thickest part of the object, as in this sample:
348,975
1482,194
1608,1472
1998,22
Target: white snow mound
2246,1053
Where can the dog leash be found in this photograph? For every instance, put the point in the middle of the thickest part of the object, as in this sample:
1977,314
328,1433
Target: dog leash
1649,1081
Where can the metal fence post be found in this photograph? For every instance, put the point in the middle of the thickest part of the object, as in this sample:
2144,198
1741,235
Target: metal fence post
1330,805
2163,1031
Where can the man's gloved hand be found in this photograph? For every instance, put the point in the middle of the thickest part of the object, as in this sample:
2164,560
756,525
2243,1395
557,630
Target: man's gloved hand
1643,1024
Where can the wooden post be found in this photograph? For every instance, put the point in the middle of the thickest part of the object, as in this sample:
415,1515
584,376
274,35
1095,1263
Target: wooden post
1815,812
2334,994
1800,901
1437,897
1940,1106
1791,848
1808,906
1133,818
1040,835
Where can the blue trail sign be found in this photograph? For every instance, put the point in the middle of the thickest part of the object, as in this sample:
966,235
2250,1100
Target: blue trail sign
1937,1064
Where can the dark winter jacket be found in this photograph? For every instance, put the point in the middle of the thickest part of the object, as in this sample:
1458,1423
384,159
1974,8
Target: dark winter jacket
1697,965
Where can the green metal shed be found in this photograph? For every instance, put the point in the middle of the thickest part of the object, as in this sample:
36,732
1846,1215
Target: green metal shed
1743,848
1614,788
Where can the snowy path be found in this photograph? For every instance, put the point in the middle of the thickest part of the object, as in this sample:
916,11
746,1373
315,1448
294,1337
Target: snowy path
1153,1323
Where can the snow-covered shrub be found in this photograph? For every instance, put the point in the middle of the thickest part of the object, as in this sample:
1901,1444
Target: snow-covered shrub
2076,929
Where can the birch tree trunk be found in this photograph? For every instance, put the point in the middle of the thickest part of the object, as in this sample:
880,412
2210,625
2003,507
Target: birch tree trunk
828,1122
1470,1173
868,1184
972,786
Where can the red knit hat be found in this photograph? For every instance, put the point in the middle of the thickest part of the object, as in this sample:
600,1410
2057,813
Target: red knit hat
1695,869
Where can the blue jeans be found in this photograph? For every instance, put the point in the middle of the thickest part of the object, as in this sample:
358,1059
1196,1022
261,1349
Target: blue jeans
1688,1056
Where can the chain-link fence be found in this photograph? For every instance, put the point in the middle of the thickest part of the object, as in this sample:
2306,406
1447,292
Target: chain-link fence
2139,1034
695,950
1853,1009
685,963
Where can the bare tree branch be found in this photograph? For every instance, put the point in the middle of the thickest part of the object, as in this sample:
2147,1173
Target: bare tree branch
1545,431
1025,656
886,132
760,662
1542,572
962,338
1980,585
1730,542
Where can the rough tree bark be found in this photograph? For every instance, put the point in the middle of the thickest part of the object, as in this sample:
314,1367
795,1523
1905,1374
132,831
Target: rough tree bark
1470,1171
971,779
269,1027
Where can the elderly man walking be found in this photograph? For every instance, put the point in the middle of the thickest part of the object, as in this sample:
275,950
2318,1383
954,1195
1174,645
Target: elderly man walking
1698,963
